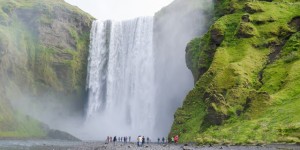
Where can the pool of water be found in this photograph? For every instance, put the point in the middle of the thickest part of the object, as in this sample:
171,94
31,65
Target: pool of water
33,144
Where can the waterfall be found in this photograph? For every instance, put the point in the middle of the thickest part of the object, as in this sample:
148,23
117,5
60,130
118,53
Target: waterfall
120,80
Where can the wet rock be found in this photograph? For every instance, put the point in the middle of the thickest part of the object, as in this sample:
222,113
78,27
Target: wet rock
186,148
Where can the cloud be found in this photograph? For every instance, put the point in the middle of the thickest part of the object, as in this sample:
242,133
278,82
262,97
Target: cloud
119,9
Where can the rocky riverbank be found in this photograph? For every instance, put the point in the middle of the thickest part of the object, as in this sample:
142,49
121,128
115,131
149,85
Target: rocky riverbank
67,145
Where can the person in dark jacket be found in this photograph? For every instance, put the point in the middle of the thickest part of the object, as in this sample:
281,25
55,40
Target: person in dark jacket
143,140
115,140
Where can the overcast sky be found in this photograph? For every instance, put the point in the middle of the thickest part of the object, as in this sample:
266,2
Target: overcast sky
120,9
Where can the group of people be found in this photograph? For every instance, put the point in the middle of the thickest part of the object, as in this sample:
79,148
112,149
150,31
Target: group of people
114,139
165,140
175,139
141,140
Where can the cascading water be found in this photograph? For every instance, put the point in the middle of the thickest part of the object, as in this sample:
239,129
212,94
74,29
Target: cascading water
121,77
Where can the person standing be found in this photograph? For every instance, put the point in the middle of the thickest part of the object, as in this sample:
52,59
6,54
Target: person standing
148,140
176,139
158,140
143,140
140,140
163,140
107,140
115,140
129,139
172,139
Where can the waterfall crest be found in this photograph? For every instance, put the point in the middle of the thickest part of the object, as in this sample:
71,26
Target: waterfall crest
120,79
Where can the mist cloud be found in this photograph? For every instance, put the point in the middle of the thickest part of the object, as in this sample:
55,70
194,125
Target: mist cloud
174,28
120,9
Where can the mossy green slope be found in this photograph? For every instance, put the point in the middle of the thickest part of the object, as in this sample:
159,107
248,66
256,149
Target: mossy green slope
247,77
43,58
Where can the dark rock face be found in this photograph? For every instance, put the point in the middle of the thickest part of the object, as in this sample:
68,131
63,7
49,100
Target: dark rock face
295,23
246,18
60,135
217,36
57,32
214,116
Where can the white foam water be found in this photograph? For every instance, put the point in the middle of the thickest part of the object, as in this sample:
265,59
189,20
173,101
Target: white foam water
120,78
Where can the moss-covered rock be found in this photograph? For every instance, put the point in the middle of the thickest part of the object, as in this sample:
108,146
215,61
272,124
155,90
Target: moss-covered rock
253,8
246,30
200,51
248,91
43,58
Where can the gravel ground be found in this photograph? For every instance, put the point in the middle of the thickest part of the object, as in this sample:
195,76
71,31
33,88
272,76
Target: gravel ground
132,146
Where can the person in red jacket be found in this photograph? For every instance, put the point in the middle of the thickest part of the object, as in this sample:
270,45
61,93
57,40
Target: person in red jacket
176,138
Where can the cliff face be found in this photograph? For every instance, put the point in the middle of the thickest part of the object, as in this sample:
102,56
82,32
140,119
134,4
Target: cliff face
247,72
174,26
43,57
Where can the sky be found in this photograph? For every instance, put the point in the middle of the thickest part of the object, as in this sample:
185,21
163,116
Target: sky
119,9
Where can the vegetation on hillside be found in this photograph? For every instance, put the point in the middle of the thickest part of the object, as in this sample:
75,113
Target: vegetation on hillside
247,73
43,57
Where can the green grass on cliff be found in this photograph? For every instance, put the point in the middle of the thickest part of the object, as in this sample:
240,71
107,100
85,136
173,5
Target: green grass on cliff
30,68
46,5
16,125
16,40
21,127
248,94
20,39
